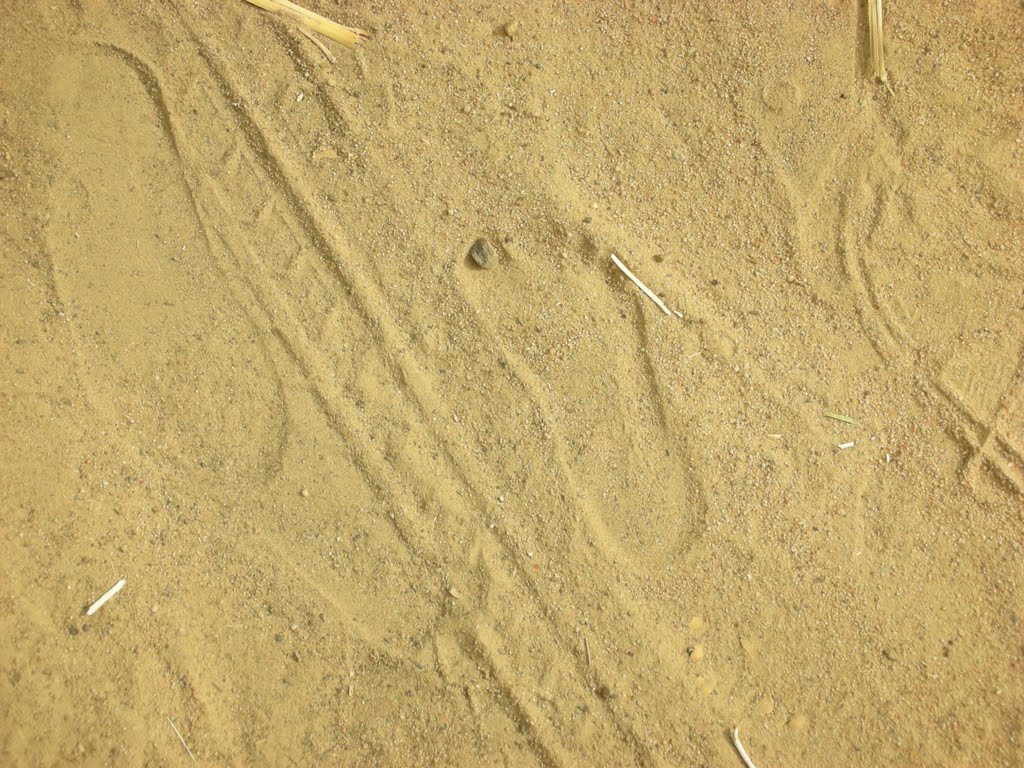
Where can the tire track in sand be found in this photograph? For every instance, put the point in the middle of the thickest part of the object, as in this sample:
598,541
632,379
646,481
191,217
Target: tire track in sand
331,396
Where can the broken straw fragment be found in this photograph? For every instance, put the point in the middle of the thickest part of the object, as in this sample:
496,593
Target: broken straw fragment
647,291
106,596
739,748
323,48
182,740
839,417
348,36
877,43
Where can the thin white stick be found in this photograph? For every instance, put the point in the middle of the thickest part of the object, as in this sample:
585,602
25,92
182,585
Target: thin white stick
103,600
739,748
640,285
844,446
182,740
323,48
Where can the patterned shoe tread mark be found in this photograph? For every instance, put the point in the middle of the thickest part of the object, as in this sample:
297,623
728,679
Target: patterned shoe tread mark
278,225
469,461
310,356
301,351
986,398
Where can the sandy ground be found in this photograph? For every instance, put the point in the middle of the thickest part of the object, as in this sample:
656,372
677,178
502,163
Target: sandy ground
377,506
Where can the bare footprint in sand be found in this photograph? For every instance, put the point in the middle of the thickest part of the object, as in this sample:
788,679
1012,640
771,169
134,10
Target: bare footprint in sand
164,351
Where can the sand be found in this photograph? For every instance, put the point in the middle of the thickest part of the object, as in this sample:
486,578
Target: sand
375,505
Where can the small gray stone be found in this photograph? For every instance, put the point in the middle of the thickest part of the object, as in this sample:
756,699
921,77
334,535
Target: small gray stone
482,254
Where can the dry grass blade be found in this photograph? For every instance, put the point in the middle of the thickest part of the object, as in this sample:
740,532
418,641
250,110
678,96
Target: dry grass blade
323,48
636,281
182,740
877,43
106,596
739,748
839,417
348,36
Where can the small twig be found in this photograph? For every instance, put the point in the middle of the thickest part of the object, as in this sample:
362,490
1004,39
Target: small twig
739,748
319,44
647,291
182,740
837,417
106,596
844,446
586,645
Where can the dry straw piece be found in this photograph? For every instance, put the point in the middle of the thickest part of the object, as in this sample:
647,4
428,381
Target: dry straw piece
739,748
647,291
877,47
106,596
347,36
323,48
182,740
839,417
